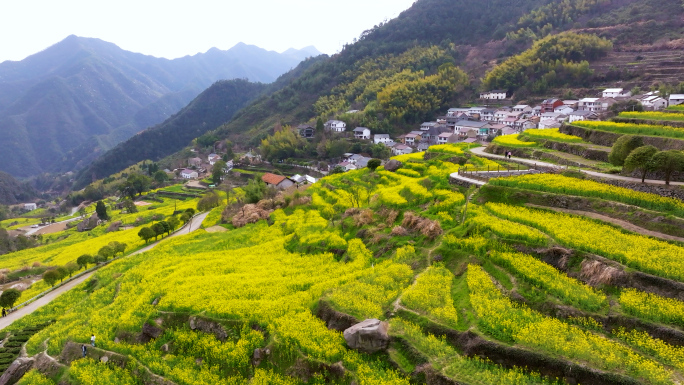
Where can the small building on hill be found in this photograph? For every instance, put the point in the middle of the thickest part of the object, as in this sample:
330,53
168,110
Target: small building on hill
549,105
277,181
335,126
362,133
582,115
213,158
306,131
194,162
493,95
189,174
676,99
616,93
30,206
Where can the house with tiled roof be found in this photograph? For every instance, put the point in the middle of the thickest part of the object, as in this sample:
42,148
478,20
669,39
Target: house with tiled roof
277,181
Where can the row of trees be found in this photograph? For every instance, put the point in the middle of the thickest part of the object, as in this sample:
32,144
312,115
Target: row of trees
166,226
630,152
58,273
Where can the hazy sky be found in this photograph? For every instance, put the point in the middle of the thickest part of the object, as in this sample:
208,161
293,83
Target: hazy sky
175,28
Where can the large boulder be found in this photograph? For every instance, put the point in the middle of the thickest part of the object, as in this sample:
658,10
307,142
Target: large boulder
368,336
89,223
393,165
208,326
16,370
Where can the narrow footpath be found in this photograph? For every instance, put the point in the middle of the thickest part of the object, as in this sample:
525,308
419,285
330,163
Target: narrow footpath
479,151
191,226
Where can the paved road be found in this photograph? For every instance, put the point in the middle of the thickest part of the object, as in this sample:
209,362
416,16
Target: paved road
30,230
193,225
479,151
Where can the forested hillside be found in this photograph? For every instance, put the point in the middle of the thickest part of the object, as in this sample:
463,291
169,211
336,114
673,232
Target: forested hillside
87,95
210,109
12,191
470,34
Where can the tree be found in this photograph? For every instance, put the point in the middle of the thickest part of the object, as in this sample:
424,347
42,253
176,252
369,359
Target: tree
101,210
185,217
319,125
82,212
63,272
158,229
373,164
623,147
218,171
118,247
72,267
209,201
173,222
9,297
627,105
146,234
380,151
640,159
337,170
84,260
105,252
255,190
668,162
167,226
130,206
160,177
51,277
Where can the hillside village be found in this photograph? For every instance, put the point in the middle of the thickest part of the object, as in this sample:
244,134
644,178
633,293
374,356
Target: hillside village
481,124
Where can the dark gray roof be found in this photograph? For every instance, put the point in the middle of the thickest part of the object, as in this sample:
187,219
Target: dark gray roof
361,129
471,123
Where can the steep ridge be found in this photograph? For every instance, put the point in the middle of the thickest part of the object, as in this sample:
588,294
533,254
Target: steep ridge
84,90
210,109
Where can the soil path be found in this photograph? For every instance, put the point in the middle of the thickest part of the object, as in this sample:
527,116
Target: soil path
191,226
479,151
624,224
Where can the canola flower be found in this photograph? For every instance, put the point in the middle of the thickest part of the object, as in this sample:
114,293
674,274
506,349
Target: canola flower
652,307
516,323
552,134
431,294
544,276
671,355
506,229
86,371
469,370
581,187
246,274
643,253
652,115
33,377
632,128
512,141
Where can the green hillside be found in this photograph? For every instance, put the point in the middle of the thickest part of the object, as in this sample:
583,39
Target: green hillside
491,291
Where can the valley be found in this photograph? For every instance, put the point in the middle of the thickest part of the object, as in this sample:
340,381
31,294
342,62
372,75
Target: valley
467,194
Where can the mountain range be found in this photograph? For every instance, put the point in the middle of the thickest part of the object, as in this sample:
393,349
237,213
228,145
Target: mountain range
62,107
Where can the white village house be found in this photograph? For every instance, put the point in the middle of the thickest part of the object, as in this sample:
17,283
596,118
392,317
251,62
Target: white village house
30,206
382,138
189,174
616,93
213,158
493,95
582,115
335,126
362,133
676,99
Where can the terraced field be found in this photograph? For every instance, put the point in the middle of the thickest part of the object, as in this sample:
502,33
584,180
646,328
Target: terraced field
489,293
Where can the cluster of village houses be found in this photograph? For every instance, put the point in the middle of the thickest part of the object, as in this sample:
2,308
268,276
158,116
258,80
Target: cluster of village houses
476,124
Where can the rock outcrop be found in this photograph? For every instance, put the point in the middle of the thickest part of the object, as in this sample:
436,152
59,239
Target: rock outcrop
16,370
368,336
208,326
393,165
88,223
